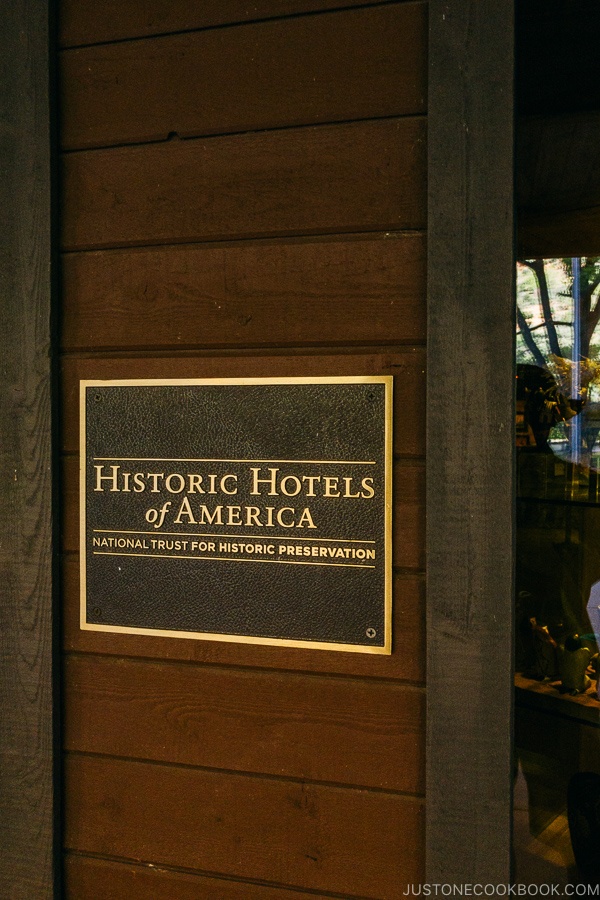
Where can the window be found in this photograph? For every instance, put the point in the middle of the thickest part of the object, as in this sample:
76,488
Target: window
557,726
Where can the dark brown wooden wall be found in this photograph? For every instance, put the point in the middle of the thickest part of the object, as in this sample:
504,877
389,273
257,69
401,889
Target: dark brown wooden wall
243,193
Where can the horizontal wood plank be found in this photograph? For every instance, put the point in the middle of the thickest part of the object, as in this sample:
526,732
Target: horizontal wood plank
408,518
365,176
92,22
406,365
307,836
341,66
271,293
339,730
89,878
406,662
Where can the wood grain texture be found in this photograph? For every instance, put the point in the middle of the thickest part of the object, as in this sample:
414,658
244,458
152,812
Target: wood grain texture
92,22
365,176
275,712
269,293
406,365
406,663
27,801
470,442
340,66
289,833
408,517
341,730
88,878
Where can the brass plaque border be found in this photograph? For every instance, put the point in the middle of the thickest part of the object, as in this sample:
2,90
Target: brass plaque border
386,380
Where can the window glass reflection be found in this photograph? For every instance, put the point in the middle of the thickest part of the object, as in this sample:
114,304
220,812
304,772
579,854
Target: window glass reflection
557,766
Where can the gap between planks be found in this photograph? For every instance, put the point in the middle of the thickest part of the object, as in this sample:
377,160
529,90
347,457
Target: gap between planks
409,686
263,776
317,238
225,25
173,136
202,873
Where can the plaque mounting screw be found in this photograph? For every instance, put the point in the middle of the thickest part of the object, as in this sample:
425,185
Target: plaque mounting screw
97,610
371,633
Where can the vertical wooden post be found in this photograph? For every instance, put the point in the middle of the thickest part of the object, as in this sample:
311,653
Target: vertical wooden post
27,800
470,440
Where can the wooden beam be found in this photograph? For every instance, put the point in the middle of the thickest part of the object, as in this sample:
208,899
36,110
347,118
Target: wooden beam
27,803
470,441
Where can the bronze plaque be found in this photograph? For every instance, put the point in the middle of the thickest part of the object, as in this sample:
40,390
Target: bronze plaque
255,510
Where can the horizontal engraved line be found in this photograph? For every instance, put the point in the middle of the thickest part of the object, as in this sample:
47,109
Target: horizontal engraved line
282,562
323,462
274,537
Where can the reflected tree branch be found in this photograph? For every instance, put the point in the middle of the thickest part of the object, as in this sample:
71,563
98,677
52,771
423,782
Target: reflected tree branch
529,341
537,267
